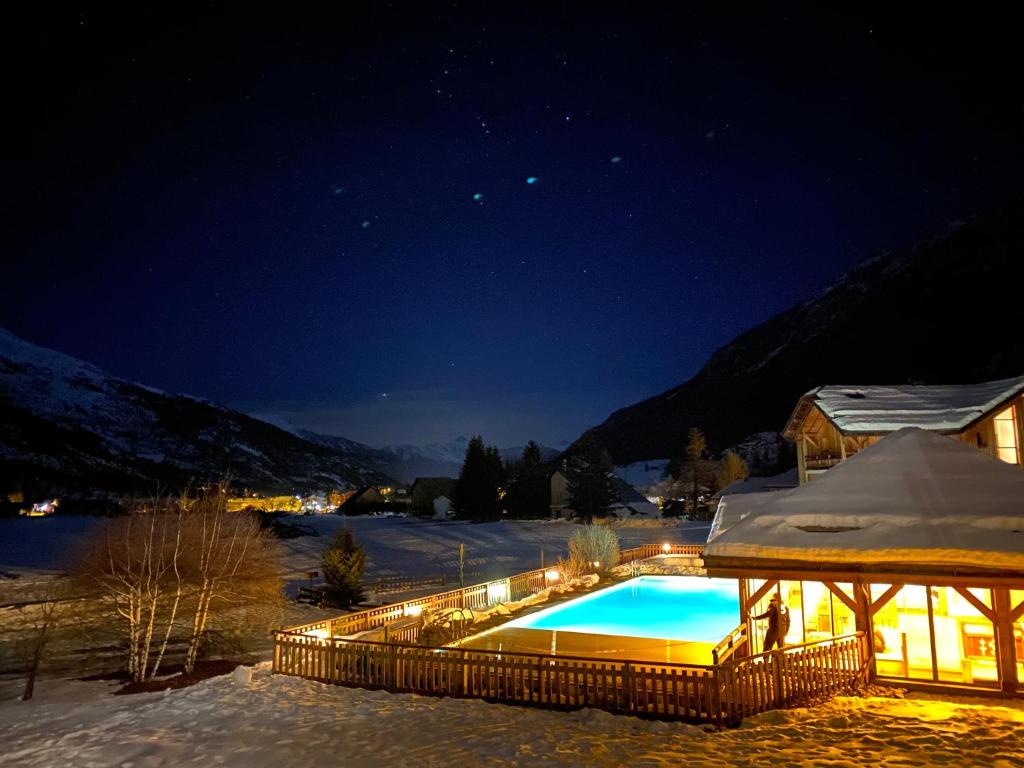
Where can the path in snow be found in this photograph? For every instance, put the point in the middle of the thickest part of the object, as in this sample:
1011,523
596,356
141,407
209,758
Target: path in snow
281,721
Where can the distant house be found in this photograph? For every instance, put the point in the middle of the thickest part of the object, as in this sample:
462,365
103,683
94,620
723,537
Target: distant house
781,482
424,490
631,502
367,496
832,423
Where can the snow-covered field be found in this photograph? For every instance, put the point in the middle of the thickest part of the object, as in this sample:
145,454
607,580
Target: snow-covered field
395,546
408,547
280,721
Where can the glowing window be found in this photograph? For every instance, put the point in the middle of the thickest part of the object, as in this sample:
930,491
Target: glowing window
1006,435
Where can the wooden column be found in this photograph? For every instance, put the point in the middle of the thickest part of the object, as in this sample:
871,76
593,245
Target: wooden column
1005,649
745,615
863,615
801,459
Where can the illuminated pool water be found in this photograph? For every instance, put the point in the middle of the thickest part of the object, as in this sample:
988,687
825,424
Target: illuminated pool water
671,607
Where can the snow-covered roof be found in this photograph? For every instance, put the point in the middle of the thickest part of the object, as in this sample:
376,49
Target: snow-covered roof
734,508
915,498
882,409
788,479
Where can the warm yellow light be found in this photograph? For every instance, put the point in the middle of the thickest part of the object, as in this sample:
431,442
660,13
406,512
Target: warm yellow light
597,563
552,575
666,548
413,610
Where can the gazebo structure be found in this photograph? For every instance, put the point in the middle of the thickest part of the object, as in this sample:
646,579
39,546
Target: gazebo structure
918,540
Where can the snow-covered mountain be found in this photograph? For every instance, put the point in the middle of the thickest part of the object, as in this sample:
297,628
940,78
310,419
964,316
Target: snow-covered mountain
442,459
943,312
67,426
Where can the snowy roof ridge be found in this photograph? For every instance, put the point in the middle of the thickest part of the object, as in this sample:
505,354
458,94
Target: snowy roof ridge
875,409
913,498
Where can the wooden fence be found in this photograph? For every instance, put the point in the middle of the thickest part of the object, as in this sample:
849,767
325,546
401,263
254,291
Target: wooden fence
717,694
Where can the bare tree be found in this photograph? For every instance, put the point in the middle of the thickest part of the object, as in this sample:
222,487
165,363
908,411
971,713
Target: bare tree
135,562
233,561
44,618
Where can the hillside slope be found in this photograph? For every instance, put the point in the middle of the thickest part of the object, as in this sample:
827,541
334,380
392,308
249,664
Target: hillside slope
69,427
948,311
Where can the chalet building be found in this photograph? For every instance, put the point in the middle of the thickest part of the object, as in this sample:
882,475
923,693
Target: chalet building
832,423
630,502
917,541
424,490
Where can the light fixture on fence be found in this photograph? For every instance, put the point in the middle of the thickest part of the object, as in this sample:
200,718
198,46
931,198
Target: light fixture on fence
552,575
413,610
666,547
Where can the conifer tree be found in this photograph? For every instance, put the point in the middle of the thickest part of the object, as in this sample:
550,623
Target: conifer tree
477,492
343,562
529,493
588,472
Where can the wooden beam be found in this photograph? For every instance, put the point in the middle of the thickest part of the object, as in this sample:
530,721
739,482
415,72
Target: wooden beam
888,595
983,609
764,589
847,600
736,568
1017,613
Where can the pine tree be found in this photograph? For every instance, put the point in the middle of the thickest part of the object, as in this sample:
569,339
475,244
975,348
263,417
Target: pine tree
588,472
343,562
478,490
529,493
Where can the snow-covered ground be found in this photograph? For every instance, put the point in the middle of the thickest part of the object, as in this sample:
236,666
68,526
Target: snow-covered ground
280,721
395,546
413,548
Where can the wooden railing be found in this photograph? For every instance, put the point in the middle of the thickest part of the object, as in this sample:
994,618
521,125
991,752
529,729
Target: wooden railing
732,643
562,682
792,676
717,694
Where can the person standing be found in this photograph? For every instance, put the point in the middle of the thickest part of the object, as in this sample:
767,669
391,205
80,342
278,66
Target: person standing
778,623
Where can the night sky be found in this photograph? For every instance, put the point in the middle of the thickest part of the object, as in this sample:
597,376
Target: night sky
405,223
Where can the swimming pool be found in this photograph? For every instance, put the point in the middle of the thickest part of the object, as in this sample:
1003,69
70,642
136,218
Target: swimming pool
664,607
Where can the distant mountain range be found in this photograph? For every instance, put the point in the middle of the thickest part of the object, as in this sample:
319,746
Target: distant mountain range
947,311
68,427
444,459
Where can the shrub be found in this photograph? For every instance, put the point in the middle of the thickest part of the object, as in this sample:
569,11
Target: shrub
343,562
593,544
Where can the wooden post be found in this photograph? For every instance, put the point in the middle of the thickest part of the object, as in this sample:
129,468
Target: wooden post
863,621
776,662
801,460
1005,649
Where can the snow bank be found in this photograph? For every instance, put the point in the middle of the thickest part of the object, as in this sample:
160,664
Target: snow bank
280,722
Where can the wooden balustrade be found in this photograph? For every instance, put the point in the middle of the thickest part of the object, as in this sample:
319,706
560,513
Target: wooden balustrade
712,694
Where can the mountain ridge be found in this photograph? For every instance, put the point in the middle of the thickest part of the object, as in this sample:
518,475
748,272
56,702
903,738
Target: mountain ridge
70,427
930,313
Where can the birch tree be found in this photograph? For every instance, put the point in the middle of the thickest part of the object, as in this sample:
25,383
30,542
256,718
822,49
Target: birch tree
232,561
